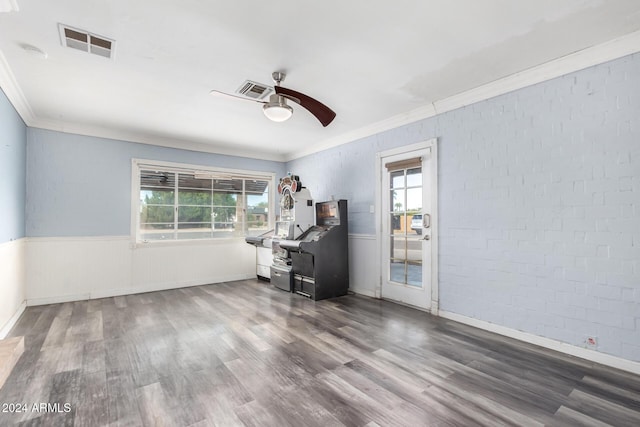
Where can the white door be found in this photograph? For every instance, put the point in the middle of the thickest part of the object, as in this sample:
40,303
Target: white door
407,192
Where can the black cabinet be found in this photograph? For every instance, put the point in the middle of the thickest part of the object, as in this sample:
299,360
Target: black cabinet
320,256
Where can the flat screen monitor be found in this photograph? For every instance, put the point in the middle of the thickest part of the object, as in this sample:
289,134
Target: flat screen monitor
328,213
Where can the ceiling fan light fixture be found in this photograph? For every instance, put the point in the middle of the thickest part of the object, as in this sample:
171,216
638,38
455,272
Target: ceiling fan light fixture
277,109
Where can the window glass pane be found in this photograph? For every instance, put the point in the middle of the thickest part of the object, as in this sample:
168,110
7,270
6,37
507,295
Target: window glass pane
414,177
194,214
156,214
225,199
397,200
224,215
194,197
256,186
194,230
190,181
257,212
227,184
156,231
156,196
157,179
397,179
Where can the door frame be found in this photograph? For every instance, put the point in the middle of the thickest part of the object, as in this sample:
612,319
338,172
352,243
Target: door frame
379,217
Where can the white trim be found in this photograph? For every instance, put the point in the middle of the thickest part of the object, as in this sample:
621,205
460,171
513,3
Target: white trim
432,145
195,144
362,236
366,293
186,242
435,258
14,93
181,167
572,350
12,322
75,238
588,57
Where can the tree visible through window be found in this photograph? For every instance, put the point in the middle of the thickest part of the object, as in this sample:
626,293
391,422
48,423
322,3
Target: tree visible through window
191,205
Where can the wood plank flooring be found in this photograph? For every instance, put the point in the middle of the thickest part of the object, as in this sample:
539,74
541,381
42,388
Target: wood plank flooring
247,354
10,351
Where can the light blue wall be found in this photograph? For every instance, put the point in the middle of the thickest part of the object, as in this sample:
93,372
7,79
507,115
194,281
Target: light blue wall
539,204
81,186
13,143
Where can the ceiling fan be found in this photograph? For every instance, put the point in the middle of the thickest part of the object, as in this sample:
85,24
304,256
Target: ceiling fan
277,109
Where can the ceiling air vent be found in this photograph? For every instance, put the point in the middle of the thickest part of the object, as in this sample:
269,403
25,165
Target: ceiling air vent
254,90
86,41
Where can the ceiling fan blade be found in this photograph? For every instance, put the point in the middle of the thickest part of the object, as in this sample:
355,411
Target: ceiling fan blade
323,113
219,94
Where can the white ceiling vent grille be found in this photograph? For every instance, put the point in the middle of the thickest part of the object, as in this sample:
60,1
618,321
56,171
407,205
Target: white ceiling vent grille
86,41
254,90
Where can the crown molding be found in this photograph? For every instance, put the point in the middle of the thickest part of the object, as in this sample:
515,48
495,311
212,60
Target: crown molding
9,85
579,60
12,90
141,138
594,55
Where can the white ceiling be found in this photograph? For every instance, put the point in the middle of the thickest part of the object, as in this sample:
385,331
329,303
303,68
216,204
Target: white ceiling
368,60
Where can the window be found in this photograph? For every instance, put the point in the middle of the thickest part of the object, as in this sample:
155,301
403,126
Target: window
181,202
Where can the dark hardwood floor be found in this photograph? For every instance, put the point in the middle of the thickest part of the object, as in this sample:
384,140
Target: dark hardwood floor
244,353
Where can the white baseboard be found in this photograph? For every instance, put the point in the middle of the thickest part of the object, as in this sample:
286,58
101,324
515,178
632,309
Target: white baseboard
572,350
12,322
107,293
365,292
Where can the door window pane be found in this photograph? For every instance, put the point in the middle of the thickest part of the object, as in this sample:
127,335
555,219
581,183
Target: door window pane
414,199
397,179
414,274
397,200
414,177
398,223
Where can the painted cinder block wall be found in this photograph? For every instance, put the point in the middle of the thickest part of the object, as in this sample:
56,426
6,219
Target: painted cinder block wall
539,204
13,143
80,185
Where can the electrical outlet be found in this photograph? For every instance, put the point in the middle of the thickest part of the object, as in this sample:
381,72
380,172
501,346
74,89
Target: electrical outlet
591,342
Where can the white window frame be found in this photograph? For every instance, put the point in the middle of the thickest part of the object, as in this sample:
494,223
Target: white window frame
138,165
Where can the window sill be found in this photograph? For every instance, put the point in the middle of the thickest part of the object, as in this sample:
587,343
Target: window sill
187,242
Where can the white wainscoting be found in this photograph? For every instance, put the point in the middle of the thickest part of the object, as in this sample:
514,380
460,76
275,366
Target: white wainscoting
12,284
77,268
364,269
